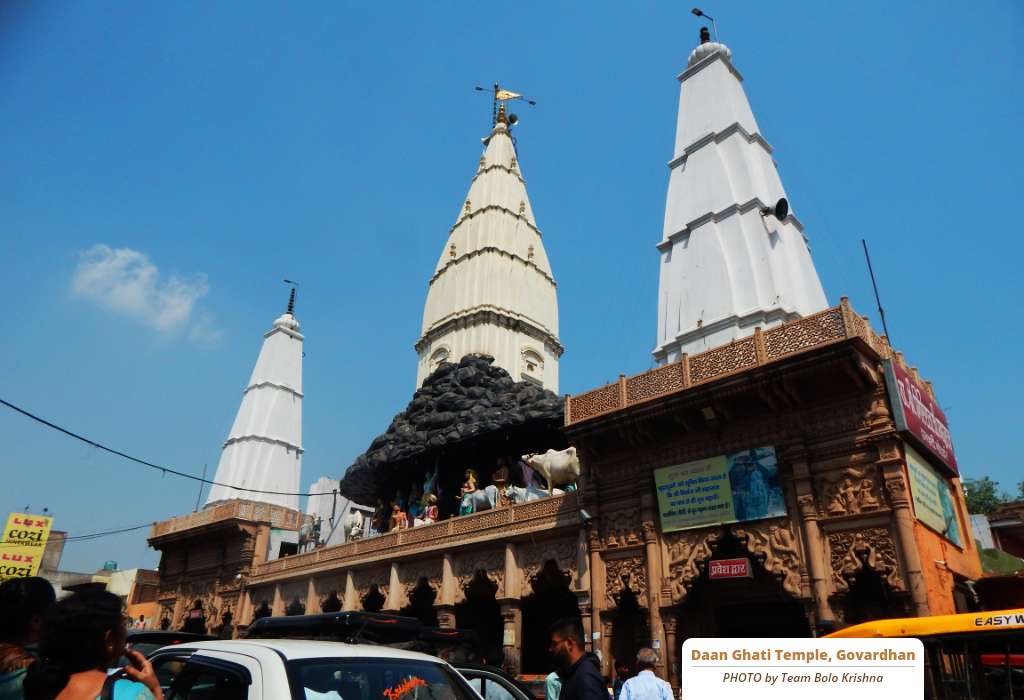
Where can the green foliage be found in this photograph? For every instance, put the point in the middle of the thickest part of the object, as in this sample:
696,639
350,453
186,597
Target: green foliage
983,495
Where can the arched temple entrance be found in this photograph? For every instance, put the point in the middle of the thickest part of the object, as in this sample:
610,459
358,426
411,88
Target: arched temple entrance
421,603
481,613
550,601
757,606
630,630
373,601
870,598
330,604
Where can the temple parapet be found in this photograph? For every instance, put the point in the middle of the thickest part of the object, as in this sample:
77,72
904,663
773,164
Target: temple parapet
501,523
832,325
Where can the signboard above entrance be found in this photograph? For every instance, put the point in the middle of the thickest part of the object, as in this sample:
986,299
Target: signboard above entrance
729,568
918,414
722,489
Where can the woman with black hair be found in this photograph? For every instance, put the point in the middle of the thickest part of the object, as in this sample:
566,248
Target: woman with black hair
83,637
24,603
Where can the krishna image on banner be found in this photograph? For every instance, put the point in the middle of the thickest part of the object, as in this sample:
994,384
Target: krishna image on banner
723,489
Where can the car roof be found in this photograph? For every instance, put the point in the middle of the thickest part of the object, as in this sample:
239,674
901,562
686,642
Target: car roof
306,649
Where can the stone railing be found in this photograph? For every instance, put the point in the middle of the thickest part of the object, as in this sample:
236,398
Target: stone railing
277,516
486,525
817,330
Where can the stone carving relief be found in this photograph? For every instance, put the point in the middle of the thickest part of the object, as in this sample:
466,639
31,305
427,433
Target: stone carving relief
410,575
620,529
491,562
855,490
532,558
775,546
622,574
364,579
688,552
872,547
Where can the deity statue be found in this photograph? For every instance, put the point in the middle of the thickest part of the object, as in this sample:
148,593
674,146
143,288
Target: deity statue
429,511
415,509
867,498
399,521
468,487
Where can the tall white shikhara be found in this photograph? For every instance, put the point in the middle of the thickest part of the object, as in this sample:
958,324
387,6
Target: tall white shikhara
264,448
492,291
725,267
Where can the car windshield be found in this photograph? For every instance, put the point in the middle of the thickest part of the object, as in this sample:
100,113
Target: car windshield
336,678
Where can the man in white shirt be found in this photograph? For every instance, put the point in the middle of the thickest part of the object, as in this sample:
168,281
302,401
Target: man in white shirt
645,685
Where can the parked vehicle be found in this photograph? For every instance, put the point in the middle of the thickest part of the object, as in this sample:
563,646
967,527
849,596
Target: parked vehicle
303,670
459,647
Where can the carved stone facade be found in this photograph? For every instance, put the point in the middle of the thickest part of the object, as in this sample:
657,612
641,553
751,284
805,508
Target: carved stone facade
812,390
622,574
872,548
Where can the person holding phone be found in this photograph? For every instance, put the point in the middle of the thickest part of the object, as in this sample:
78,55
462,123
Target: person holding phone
83,637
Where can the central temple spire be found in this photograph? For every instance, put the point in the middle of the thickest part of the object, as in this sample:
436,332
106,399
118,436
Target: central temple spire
728,263
492,291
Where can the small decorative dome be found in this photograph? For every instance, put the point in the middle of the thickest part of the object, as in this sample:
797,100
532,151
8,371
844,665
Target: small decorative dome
706,49
287,321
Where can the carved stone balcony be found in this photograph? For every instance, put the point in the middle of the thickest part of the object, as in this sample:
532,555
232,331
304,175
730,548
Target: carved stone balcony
502,523
277,516
826,327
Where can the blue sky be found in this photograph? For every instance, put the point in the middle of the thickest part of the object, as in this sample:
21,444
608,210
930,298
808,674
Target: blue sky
216,148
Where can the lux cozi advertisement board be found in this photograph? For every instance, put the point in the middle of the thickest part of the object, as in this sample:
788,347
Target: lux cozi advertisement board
918,415
731,488
22,545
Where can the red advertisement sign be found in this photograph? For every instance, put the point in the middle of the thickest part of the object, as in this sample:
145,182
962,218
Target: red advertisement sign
917,413
729,568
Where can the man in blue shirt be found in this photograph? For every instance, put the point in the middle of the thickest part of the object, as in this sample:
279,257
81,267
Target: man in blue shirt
579,671
645,685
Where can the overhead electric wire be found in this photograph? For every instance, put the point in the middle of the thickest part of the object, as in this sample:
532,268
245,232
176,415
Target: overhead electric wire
164,470
104,533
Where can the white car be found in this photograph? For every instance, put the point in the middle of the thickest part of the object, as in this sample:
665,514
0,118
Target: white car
303,670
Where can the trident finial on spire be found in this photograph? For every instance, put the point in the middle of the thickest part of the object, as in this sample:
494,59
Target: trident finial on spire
501,96
291,298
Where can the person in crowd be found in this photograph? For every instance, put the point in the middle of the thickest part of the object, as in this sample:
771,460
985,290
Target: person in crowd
24,603
645,685
83,637
552,686
621,674
580,672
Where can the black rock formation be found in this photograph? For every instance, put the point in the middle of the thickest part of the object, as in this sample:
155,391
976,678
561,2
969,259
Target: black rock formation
468,401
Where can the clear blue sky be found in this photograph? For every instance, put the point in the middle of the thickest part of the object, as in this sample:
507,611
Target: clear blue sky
215,148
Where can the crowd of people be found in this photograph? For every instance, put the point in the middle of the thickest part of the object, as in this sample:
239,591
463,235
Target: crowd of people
578,675
76,649
66,650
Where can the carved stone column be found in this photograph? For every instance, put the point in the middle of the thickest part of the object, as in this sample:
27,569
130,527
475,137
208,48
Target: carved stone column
654,577
813,544
512,635
351,601
668,619
445,605
890,462
393,602
312,597
277,608
597,591
583,603
244,609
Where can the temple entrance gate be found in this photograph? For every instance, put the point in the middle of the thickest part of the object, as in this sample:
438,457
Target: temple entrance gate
481,613
550,601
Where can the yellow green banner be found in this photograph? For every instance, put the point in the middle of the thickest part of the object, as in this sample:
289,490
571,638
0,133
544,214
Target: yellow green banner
722,489
933,497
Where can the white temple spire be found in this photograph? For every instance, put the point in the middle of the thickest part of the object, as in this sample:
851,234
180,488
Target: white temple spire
493,291
264,448
726,267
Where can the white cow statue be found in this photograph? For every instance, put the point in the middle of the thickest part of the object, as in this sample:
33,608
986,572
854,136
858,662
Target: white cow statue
518,494
557,468
353,525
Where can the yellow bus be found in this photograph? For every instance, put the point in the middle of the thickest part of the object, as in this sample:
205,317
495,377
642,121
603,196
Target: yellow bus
971,656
